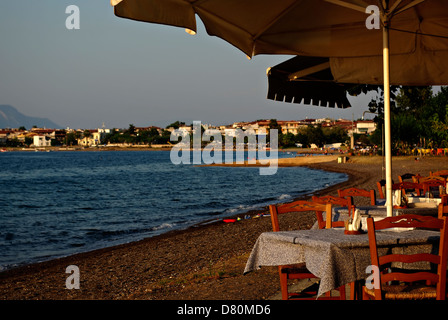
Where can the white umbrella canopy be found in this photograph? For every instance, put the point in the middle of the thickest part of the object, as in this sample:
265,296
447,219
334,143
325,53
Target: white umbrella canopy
321,28
417,31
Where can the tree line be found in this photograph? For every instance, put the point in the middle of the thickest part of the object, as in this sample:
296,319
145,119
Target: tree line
130,136
419,117
309,135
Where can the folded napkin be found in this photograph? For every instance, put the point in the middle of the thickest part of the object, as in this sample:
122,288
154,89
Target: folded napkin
396,198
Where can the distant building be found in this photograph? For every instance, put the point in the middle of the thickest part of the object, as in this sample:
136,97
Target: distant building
292,126
94,139
365,126
41,141
4,135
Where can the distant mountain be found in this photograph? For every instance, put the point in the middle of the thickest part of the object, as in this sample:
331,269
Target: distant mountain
11,118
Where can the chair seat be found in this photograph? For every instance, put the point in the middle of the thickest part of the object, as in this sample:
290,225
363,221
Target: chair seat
405,292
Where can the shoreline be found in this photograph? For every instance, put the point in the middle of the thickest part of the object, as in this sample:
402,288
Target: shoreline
142,148
204,261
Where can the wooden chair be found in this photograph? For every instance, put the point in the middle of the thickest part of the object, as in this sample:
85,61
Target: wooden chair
342,202
410,176
405,186
418,280
298,271
432,187
431,183
357,192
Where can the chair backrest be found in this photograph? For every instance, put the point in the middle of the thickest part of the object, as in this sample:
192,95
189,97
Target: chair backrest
431,182
405,176
441,173
340,201
298,206
407,185
357,192
440,259
403,185
431,178
380,184
427,185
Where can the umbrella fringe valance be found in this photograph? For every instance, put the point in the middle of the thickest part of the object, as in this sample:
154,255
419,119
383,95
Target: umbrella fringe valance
307,80
342,103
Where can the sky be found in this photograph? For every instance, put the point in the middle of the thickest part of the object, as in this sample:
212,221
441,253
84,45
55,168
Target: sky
119,72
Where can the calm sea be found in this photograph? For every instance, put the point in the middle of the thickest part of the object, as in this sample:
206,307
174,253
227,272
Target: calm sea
55,204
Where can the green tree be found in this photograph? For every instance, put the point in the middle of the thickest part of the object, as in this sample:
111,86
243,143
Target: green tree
86,133
176,125
334,135
439,118
302,138
28,141
131,130
148,136
288,140
71,138
418,117
163,138
315,135
273,124
405,131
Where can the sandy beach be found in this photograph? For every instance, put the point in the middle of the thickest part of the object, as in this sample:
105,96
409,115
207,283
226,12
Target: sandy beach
205,262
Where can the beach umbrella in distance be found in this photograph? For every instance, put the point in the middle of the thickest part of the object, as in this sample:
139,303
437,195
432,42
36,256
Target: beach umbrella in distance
384,42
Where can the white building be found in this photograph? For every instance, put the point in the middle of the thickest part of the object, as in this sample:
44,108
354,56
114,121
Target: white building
231,132
95,138
365,126
41,141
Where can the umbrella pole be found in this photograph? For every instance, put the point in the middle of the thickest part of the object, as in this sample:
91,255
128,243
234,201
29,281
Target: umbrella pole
387,128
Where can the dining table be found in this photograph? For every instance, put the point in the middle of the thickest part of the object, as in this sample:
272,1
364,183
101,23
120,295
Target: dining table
333,256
